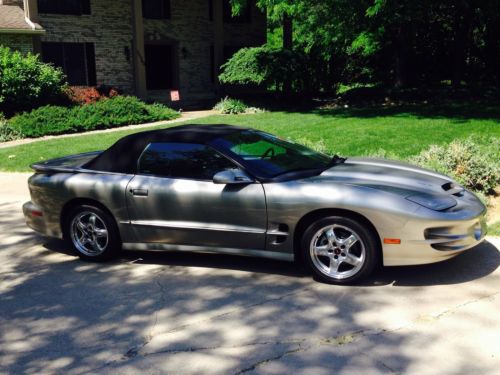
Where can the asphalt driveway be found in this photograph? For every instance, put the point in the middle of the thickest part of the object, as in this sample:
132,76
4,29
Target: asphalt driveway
183,313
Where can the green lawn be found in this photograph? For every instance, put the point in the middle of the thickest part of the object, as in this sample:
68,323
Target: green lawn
401,132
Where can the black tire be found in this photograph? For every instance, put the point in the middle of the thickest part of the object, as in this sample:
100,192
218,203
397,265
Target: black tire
104,248
363,252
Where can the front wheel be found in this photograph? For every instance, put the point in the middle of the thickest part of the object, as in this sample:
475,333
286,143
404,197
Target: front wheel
92,233
339,250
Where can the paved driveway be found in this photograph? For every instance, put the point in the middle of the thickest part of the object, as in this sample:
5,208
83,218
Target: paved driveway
182,313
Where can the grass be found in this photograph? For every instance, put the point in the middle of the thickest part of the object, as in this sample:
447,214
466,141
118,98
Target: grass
399,131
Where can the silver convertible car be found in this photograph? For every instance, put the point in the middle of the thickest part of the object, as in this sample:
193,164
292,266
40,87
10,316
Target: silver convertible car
226,189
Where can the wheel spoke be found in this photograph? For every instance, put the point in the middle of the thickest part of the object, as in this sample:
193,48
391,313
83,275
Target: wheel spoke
81,226
334,266
322,250
92,219
100,233
349,241
330,235
352,259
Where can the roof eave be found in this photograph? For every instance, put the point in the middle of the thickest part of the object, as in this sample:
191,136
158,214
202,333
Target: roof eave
22,31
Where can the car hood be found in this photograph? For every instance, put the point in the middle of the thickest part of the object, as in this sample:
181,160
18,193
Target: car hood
392,176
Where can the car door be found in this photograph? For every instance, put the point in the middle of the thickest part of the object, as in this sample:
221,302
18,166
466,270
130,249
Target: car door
173,200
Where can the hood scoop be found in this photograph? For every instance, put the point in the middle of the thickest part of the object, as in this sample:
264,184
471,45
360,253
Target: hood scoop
453,189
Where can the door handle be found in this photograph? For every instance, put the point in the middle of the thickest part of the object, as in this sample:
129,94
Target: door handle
139,192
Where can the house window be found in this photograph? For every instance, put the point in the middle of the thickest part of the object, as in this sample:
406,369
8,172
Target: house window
245,15
72,7
159,66
77,60
156,9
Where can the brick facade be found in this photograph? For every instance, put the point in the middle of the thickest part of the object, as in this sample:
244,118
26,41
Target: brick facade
109,27
112,28
22,43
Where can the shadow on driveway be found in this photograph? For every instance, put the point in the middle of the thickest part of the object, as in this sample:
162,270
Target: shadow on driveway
470,265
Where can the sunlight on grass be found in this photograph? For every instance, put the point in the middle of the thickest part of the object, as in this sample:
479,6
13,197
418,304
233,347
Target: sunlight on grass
350,133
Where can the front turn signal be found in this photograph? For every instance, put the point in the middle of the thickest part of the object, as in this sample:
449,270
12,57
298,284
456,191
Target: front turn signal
392,241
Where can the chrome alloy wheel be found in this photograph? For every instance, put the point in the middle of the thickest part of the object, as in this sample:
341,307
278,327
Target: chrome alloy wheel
89,233
337,251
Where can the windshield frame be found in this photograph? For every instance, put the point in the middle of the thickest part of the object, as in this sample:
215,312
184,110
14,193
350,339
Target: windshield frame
257,173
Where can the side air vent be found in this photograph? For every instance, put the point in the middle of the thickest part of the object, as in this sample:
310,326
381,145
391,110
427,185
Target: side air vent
278,233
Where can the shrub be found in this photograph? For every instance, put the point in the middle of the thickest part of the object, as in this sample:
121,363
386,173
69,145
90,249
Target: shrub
6,132
26,82
465,161
86,95
230,106
47,120
106,113
267,66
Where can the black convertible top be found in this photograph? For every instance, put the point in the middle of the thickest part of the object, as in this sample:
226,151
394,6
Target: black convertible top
122,156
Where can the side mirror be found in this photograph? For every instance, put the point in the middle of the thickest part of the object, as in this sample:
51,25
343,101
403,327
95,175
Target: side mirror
232,177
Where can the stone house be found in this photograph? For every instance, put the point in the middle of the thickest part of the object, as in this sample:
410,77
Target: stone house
144,47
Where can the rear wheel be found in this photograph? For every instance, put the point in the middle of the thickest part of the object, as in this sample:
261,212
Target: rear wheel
339,250
92,233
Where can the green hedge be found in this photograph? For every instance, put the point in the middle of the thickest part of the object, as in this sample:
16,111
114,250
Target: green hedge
104,114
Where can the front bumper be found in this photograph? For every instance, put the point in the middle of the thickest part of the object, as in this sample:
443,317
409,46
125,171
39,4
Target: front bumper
429,236
36,219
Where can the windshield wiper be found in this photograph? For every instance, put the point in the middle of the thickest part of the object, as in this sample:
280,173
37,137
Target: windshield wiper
336,160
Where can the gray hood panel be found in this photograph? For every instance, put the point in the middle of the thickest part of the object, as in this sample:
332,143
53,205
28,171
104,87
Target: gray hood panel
387,175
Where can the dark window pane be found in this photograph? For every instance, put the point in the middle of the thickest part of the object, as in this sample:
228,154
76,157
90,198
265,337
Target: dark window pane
74,62
72,7
245,15
159,67
182,160
156,9
77,60
53,53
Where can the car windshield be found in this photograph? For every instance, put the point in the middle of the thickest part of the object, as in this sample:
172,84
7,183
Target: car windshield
268,156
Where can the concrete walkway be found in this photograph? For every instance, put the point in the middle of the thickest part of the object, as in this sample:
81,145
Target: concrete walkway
185,116
214,314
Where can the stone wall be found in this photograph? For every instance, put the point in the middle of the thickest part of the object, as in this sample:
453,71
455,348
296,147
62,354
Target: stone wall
23,43
109,27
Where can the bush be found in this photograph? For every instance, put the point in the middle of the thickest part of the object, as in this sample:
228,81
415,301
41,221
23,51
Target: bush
231,106
86,95
26,82
475,168
106,113
267,66
6,132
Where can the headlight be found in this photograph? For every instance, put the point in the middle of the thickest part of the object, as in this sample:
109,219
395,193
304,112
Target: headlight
433,202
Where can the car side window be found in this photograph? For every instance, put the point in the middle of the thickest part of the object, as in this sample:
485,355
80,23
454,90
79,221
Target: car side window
182,160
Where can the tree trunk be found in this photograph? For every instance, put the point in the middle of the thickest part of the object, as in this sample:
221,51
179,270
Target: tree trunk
287,44
400,59
461,42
